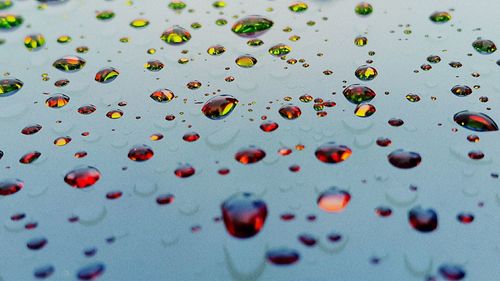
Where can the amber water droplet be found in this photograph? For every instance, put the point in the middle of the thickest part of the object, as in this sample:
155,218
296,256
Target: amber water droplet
290,111
358,94
423,220
461,90
69,63
162,95
91,271
333,200
140,153
175,35
252,26
57,101
82,177
30,157
165,199
282,256
10,186
246,61
114,114
216,50
383,211
8,87
244,215
404,159
106,75
364,110
475,121
332,153
366,73
184,171
31,129
62,141
451,272
250,155
269,126
219,107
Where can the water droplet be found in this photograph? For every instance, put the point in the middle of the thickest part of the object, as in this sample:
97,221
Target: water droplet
36,243
165,199
451,272
332,153
44,271
360,41
191,137
82,177
440,17
358,94
175,35
244,215
366,73
282,256
34,42
280,50
162,95
246,61
114,114
106,75
423,220
461,90
298,7
364,110
250,155
216,50
10,21
184,171
139,23
269,126
476,155
105,15
308,240
57,101
219,107
252,26
404,159
140,153
177,5
290,111
484,46
363,9
465,218
475,121
91,271
8,87
31,129
87,109
333,200
154,65
69,63
10,186
30,157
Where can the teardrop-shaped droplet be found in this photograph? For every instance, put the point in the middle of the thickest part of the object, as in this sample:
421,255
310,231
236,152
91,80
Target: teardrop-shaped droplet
10,186
252,26
175,35
10,86
404,159
423,220
69,63
475,121
219,107
250,155
244,215
333,200
358,94
332,153
82,177
106,75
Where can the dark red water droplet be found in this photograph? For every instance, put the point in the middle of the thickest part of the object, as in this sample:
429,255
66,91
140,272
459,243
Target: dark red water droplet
423,220
165,199
476,155
269,126
31,225
184,171
404,159
294,168
36,243
223,171
250,155
333,200
465,218
287,216
451,272
10,186
18,216
244,215
282,256
332,153
334,237
384,142
383,211
395,122
307,239
140,153
290,111
82,177
30,157
191,137
91,271
31,129
112,195
44,271
87,109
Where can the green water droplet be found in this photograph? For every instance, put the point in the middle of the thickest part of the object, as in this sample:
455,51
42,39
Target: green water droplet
175,35
69,63
34,42
10,21
366,73
5,4
298,7
8,87
251,26
280,50
484,46
177,5
440,17
363,9
105,15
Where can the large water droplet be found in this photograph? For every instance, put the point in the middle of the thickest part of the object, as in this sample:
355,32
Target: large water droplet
82,177
332,153
8,87
250,155
475,121
175,35
404,159
252,26
423,220
333,200
358,94
69,63
244,215
219,107
10,186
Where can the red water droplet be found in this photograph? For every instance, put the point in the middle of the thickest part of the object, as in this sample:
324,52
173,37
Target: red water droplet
473,138
219,107
452,272
82,177
244,215
165,199
57,101
287,216
284,151
223,171
307,239
30,157
423,220
282,256
404,159
384,142
333,200
10,186
290,111
250,155
191,137
184,171
269,126
18,216
395,122
294,168
476,155
140,153
112,195
465,218
91,271
332,153
80,154
383,211
87,109
31,129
